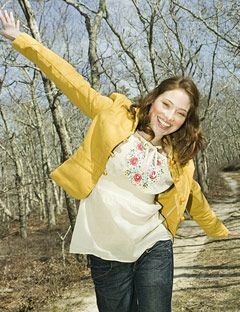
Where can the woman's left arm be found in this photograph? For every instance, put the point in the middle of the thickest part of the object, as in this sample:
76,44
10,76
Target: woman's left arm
202,213
58,70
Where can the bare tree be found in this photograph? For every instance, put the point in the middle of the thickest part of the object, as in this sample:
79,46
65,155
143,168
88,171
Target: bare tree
59,122
92,22
14,155
130,53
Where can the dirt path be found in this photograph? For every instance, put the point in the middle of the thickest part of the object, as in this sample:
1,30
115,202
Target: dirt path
207,271
80,299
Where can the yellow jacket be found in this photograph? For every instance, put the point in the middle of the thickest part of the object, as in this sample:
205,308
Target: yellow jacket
111,125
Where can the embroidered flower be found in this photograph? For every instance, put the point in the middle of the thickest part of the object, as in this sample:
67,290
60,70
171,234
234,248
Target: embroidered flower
139,147
141,170
153,175
133,161
137,177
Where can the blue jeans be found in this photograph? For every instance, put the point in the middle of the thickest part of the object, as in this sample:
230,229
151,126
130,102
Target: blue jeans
141,286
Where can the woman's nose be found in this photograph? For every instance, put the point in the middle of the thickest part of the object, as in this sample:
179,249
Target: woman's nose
170,116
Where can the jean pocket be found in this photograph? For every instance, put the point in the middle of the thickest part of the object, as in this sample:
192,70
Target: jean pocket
162,246
99,267
158,256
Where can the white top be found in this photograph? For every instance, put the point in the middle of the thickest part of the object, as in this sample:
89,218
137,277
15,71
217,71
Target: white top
119,219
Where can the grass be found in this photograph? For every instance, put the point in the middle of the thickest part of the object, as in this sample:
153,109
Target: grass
32,271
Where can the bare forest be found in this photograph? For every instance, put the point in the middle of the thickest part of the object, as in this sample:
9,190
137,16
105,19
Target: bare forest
124,46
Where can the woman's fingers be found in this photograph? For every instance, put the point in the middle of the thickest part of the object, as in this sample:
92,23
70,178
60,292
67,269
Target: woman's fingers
233,233
11,28
18,25
7,17
12,18
2,18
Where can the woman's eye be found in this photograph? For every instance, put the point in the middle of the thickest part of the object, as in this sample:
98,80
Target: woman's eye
182,114
165,104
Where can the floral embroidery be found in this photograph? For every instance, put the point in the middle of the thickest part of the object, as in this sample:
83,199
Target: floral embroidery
139,146
133,161
138,170
137,177
153,175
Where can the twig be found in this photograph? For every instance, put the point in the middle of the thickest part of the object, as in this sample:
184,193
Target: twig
63,244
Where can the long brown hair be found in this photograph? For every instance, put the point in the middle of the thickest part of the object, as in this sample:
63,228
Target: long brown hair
188,139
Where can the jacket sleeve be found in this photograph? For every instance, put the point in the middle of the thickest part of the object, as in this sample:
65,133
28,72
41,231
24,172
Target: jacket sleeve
66,78
202,213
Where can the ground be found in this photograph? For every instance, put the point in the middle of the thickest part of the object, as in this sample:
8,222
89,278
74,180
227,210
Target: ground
206,276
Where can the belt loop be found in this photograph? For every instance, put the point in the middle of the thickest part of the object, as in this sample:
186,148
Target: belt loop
88,262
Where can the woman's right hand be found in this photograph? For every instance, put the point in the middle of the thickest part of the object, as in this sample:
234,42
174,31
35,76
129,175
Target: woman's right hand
10,29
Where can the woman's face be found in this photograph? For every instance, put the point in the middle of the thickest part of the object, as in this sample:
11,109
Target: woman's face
169,111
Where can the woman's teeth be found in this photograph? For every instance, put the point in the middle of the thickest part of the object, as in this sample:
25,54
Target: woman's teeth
162,123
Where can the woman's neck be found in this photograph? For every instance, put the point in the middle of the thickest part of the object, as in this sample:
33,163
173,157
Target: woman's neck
155,141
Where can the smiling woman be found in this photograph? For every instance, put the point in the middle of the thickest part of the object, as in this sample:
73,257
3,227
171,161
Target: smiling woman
169,112
132,200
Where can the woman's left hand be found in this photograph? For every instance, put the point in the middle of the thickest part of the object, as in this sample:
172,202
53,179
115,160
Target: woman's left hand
10,29
233,233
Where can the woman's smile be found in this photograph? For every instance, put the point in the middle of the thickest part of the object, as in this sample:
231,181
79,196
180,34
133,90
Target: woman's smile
162,124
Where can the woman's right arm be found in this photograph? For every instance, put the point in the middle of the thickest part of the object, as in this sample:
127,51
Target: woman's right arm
66,78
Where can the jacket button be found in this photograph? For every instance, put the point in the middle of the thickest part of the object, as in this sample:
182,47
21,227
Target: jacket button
177,179
182,200
182,218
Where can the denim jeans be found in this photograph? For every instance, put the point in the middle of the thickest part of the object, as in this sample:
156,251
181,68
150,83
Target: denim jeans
141,286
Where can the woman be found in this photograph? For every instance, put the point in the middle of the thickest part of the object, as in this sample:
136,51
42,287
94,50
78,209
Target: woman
134,176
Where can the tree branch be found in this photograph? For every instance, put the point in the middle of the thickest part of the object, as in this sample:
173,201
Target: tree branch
231,42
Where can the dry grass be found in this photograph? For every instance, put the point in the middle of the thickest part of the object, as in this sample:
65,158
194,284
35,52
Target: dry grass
32,270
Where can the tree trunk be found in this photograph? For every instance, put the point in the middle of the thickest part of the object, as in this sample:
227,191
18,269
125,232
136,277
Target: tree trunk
55,107
202,172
